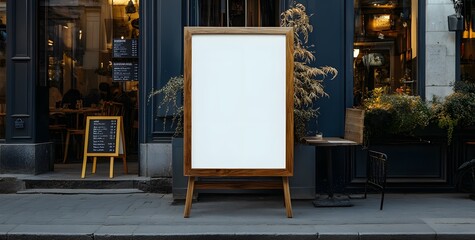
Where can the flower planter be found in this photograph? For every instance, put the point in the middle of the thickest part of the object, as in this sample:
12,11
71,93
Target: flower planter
415,163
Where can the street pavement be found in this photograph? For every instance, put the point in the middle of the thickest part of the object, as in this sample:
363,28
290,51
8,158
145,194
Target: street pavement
120,215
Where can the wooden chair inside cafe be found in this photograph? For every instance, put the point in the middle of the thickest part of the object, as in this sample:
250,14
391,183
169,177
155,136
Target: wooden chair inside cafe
112,109
72,131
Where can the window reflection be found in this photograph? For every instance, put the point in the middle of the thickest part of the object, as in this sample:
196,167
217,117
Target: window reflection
386,42
467,49
238,13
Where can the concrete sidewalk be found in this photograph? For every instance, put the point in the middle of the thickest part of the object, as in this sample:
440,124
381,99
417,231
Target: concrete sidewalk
155,216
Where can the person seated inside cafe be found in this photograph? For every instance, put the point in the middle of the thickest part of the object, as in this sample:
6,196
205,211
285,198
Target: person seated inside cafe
71,97
55,96
105,91
92,98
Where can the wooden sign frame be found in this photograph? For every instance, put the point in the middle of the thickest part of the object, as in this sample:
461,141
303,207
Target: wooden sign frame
120,149
189,33
273,48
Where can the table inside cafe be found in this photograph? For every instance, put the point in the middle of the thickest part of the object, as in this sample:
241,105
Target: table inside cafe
327,145
71,122
76,113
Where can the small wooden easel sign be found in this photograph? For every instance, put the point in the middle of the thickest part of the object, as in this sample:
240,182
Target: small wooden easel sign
104,137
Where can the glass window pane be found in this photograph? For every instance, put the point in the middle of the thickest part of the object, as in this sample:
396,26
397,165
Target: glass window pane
269,10
212,13
385,47
467,49
239,13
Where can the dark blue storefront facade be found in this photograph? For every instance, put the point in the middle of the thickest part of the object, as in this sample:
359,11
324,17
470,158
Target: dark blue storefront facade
427,164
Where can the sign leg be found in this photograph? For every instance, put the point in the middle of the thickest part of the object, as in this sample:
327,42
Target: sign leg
288,204
84,162
94,164
189,196
111,171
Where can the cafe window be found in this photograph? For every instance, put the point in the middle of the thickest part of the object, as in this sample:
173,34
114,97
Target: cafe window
238,13
467,48
83,68
385,47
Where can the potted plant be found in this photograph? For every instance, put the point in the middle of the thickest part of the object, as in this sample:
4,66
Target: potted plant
308,87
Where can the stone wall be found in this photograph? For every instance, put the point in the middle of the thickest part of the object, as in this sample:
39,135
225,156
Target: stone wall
440,49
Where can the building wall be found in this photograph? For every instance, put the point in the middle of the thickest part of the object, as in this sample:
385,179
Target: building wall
440,49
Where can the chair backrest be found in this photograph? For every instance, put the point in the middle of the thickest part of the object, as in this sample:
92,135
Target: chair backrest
376,169
354,125
112,109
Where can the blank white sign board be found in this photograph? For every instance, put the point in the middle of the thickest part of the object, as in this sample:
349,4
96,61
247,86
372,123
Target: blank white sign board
238,101
238,109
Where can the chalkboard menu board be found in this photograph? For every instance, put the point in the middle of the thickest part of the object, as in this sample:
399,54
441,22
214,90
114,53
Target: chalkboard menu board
104,136
125,71
125,48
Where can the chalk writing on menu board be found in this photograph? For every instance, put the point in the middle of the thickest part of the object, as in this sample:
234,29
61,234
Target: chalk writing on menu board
125,71
102,136
125,48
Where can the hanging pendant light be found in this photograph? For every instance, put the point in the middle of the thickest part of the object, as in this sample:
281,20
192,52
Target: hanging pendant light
130,8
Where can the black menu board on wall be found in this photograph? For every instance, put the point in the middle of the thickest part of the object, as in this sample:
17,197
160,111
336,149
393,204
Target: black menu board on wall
125,48
125,64
103,135
125,71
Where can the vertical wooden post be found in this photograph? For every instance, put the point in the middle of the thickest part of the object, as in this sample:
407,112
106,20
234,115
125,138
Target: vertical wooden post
84,163
94,164
288,204
189,197
111,171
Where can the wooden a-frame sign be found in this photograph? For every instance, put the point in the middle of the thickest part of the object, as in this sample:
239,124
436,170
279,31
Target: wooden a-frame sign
238,108
104,137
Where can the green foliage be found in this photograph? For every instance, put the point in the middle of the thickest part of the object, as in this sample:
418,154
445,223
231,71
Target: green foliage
457,109
464,87
170,93
461,107
401,114
308,80
395,114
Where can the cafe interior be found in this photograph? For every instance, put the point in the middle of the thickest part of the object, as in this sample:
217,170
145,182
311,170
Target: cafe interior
82,73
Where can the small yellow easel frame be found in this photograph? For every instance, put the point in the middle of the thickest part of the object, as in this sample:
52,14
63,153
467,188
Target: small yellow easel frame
118,152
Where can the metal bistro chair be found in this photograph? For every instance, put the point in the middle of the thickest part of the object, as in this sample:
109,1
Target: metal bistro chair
376,172
465,178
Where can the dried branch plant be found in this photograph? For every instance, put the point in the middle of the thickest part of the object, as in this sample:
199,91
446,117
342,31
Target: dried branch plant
308,80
